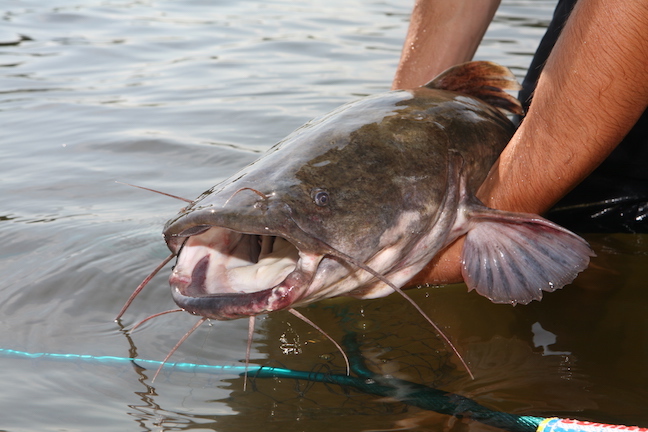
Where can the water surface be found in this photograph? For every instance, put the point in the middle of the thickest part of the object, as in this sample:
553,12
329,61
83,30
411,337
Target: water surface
179,95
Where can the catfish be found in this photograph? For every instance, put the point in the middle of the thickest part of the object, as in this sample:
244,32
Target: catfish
358,201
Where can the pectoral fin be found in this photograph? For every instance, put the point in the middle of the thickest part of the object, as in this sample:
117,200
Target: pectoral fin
514,257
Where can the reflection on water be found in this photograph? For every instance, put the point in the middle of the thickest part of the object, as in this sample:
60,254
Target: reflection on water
177,96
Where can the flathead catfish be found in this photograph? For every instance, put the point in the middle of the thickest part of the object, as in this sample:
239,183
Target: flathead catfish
358,201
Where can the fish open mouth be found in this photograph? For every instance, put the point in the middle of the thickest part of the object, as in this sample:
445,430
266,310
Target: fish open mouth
224,274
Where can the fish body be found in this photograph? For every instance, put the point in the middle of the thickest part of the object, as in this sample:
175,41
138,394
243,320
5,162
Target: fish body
360,200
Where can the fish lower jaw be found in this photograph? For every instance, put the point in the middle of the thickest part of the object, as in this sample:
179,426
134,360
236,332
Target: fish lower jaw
190,295
222,274
232,306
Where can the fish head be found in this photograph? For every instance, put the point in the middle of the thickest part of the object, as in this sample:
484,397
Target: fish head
234,257
240,251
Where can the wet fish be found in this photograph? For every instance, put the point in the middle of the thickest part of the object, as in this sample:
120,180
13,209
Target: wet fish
358,201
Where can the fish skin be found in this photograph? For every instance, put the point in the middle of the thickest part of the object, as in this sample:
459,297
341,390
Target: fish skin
387,181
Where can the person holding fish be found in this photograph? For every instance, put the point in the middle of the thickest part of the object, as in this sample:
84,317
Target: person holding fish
584,138
381,190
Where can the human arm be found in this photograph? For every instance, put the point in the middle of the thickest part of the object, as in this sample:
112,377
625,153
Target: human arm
591,92
441,34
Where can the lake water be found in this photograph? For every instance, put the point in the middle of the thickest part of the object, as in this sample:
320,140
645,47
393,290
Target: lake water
177,96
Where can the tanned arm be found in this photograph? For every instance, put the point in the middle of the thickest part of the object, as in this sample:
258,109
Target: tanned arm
591,92
441,34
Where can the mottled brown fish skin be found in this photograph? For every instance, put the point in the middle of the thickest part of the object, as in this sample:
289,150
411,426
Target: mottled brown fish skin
406,166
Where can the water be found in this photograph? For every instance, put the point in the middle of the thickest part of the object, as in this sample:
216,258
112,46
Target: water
177,96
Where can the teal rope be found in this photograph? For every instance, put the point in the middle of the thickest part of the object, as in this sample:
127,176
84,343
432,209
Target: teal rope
407,392
183,367
367,382
418,395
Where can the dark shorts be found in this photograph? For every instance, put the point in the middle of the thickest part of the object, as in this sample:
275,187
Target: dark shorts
614,198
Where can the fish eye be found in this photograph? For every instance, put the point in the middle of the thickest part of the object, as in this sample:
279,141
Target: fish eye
320,197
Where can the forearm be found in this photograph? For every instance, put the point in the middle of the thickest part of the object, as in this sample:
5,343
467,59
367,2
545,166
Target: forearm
442,33
591,92
589,95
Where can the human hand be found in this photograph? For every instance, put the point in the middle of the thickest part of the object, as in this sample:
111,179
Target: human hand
444,268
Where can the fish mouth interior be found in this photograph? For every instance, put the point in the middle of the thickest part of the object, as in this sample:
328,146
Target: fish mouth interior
220,261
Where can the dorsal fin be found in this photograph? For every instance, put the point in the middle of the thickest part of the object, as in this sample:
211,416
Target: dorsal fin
484,80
